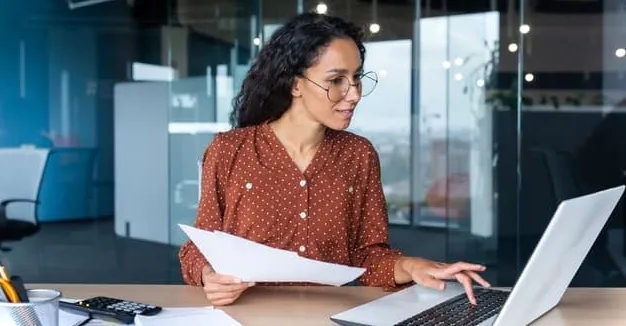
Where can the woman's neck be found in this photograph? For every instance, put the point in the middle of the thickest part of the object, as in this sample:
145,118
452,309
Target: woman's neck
300,135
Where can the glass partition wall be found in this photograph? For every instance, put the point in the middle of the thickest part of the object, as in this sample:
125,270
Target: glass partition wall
433,117
469,95
217,51
572,123
486,115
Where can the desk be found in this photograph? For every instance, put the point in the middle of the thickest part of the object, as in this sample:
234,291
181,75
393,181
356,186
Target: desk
275,306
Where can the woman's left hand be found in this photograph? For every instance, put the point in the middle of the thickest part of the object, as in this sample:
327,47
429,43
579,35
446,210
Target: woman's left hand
432,274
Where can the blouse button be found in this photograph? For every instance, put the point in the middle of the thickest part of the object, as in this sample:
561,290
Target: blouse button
350,190
302,183
303,214
248,185
302,248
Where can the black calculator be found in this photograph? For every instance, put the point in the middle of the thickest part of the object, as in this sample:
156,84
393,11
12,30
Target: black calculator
111,309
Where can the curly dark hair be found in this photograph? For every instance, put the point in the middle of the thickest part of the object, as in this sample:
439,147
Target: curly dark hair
266,91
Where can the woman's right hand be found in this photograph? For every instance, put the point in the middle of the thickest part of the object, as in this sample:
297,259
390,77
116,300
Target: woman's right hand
220,289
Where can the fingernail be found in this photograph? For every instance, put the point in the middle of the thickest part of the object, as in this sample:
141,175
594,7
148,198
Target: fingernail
488,285
251,284
236,280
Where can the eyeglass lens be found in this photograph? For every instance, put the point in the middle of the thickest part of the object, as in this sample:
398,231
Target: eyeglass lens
340,87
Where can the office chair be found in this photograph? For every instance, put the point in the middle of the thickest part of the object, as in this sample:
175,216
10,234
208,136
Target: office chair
66,192
13,229
21,173
565,180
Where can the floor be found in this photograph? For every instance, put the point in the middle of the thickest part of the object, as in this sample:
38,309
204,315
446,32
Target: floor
90,252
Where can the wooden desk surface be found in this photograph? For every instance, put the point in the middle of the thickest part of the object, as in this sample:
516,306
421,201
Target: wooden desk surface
261,306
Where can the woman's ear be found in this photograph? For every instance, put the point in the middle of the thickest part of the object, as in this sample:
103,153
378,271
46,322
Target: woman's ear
296,88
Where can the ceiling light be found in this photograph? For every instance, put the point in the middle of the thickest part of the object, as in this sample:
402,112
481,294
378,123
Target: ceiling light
524,29
374,28
321,8
529,77
73,4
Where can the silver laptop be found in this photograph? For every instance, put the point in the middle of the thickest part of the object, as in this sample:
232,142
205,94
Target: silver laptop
567,240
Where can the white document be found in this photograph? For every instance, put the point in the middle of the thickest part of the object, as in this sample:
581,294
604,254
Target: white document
168,316
254,262
187,316
70,319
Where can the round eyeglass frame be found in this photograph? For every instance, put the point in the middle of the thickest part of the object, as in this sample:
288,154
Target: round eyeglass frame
370,74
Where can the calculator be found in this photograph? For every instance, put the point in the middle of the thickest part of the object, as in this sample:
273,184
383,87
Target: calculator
111,309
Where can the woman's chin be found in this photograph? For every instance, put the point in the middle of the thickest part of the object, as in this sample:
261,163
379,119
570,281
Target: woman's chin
338,124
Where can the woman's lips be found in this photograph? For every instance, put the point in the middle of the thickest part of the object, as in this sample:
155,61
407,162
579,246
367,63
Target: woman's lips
346,114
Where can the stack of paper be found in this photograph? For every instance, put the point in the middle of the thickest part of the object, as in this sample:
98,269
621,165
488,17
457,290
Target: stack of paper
187,316
254,262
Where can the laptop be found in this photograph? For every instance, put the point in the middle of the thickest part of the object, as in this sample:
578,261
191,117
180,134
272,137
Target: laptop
572,231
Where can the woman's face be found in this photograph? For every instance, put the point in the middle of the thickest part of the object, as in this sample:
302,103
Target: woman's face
329,90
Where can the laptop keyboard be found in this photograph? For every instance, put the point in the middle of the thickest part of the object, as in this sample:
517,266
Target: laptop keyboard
458,311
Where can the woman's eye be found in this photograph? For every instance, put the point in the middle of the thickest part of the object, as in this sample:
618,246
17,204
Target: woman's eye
336,81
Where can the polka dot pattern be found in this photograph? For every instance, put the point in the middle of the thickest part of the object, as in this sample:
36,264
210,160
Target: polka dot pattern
334,212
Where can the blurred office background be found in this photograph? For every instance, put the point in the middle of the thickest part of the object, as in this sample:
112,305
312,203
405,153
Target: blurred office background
486,115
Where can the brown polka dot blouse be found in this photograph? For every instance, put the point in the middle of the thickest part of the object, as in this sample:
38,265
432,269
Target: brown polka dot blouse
334,212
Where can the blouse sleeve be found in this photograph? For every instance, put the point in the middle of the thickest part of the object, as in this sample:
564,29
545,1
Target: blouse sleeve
209,214
372,251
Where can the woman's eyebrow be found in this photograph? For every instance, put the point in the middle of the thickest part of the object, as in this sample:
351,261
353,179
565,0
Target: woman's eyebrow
338,71
343,71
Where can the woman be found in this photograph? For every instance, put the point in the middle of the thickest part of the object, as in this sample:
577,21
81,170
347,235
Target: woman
290,177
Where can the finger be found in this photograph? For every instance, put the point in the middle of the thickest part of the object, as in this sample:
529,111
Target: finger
466,281
429,281
222,279
220,299
225,288
222,302
218,296
478,279
461,267
222,296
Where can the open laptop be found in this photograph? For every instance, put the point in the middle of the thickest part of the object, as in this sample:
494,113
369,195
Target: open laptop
557,257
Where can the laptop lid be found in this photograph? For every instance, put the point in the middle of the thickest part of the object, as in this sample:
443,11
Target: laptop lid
557,257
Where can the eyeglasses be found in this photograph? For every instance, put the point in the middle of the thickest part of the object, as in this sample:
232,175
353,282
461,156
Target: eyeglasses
340,86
